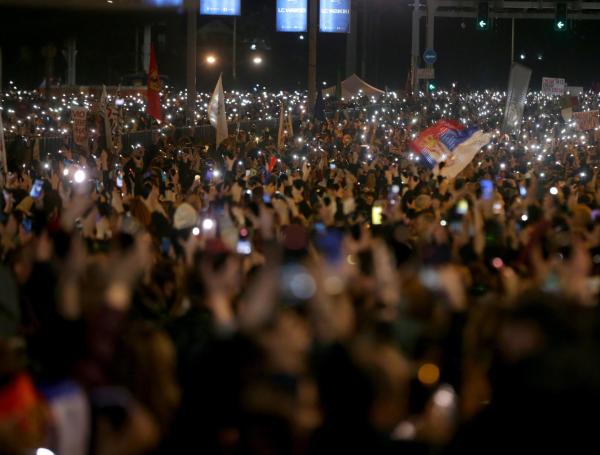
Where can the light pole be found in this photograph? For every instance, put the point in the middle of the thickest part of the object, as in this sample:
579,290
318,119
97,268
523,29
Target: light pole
312,53
512,43
192,36
234,49
352,40
431,7
415,46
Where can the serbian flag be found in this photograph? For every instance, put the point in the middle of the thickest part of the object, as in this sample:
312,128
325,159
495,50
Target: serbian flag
451,142
153,107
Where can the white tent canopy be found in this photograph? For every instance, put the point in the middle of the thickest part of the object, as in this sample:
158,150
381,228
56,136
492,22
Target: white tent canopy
352,86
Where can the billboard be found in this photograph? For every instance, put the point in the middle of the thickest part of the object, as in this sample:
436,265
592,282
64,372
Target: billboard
220,7
335,16
292,15
167,3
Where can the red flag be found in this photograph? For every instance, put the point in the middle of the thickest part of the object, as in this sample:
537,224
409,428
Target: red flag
272,163
153,107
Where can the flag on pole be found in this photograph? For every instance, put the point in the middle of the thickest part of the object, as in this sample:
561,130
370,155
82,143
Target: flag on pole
281,132
286,128
216,112
3,148
153,108
117,122
319,113
450,142
516,98
106,121
272,163
290,125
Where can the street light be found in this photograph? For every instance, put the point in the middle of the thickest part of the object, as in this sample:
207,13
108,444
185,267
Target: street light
522,56
211,59
257,60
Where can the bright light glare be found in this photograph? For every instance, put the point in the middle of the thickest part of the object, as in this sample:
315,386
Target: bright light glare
211,59
257,60
208,224
79,176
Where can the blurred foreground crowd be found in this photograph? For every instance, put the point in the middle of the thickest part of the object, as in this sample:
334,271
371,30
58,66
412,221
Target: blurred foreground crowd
328,296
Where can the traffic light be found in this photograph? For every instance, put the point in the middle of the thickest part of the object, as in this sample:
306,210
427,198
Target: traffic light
431,86
483,16
560,21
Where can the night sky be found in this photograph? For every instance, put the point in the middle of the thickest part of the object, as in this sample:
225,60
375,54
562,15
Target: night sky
106,44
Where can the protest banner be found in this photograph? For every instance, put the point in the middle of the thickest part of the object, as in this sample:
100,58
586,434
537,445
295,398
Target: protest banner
575,91
553,86
80,133
586,120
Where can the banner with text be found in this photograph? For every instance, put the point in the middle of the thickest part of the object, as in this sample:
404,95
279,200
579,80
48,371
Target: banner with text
575,91
220,7
80,135
586,120
553,86
292,15
335,16
518,84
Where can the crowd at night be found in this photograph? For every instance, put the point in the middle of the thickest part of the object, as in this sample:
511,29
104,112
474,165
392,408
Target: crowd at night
330,294
327,268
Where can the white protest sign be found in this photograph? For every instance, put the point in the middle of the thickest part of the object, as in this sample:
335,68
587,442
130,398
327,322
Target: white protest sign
553,86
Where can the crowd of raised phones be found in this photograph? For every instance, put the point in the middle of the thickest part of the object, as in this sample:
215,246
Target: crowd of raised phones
329,296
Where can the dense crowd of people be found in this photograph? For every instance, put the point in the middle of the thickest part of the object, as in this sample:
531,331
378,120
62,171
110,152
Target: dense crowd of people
36,113
330,296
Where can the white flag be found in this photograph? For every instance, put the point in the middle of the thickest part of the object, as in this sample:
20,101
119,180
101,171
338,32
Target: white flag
104,115
216,112
281,132
290,126
465,153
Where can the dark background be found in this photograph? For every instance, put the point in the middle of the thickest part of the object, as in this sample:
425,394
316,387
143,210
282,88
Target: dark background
106,45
